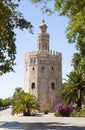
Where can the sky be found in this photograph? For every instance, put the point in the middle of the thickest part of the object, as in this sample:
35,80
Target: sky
26,42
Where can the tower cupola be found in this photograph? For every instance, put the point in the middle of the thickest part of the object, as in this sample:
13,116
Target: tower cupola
43,27
43,37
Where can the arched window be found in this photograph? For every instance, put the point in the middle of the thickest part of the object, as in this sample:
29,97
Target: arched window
52,68
33,85
53,85
33,68
42,67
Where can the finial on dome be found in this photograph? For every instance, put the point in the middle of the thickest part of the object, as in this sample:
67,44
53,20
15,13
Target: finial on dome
43,21
43,24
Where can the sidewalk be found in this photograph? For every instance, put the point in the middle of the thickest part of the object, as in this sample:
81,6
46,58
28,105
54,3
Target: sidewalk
39,122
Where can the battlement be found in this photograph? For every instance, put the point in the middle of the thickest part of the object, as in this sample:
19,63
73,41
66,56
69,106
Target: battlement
44,52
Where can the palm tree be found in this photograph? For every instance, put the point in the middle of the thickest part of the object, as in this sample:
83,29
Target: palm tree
74,89
68,93
24,103
17,91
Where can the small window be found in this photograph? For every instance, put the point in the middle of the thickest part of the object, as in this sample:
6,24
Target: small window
33,68
52,68
53,85
43,30
42,67
33,85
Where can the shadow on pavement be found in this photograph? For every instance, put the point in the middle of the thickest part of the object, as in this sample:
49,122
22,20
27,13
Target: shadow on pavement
38,126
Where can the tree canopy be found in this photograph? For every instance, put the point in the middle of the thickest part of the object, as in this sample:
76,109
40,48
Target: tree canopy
75,11
24,103
10,18
73,90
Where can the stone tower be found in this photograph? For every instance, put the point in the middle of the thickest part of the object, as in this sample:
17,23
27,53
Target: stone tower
43,71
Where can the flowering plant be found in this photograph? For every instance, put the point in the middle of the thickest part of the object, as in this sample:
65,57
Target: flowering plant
64,110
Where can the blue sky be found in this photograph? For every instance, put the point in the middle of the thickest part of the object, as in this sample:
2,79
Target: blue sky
26,42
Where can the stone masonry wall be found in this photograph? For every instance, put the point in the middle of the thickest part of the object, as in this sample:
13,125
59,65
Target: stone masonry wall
44,69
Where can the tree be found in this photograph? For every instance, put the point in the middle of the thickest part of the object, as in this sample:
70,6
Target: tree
74,89
17,91
24,103
10,18
5,103
81,66
76,60
1,103
75,11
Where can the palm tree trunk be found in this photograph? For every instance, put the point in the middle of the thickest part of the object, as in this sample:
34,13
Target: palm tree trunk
79,103
27,112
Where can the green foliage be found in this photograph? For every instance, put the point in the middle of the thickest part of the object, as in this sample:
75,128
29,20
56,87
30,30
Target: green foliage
24,103
7,102
17,91
80,113
10,19
74,89
74,10
4,103
1,102
75,31
35,1
46,111
57,114
46,6
75,60
81,66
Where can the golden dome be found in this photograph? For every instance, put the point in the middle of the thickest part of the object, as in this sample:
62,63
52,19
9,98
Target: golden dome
43,25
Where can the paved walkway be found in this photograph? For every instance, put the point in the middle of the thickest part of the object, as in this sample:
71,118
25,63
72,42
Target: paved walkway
39,122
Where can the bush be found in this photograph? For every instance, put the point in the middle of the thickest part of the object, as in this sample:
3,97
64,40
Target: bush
80,113
63,110
46,111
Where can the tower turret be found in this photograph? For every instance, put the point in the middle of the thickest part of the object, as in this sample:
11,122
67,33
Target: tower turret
43,37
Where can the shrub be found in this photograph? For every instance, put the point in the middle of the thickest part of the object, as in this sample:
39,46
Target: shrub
46,111
64,110
80,113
